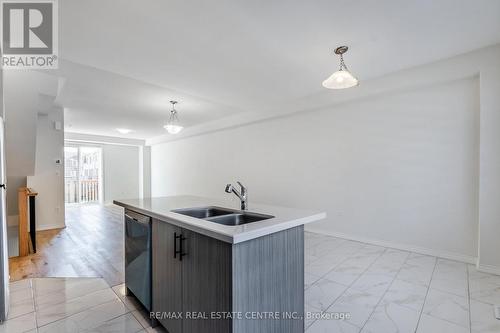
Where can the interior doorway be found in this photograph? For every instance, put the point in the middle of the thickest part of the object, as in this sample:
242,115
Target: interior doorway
82,174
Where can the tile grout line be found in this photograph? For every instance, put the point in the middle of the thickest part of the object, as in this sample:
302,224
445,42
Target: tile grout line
95,306
140,323
333,249
321,277
35,305
71,299
349,256
131,311
353,282
22,314
337,265
468,298
385,292
427,293
455,295
316,241
348,286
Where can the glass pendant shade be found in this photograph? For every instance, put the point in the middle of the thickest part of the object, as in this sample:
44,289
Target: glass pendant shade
341,79
173,129
173,126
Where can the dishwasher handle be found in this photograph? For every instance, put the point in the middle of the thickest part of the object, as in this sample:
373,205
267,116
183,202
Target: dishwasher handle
139,219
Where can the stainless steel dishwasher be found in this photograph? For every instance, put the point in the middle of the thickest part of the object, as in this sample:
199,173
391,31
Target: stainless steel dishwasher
138,256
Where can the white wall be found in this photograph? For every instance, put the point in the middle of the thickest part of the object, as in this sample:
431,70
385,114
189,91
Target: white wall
401,167
121,172
26,93
2,106
48,178
489,194
145,171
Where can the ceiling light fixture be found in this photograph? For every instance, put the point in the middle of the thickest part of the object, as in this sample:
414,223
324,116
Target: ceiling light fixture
124,130
342,78
172,125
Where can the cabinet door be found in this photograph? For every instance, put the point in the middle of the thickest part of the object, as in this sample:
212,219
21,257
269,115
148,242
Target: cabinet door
206,284
167,276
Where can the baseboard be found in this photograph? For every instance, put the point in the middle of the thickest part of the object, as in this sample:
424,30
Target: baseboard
488,269
12,220
405,247
49,227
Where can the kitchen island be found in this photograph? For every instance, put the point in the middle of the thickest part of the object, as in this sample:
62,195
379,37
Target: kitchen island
208,276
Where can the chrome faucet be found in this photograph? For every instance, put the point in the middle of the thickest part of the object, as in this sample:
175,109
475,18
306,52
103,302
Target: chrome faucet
243,195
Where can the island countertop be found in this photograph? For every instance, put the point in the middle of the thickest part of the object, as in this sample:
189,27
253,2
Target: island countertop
161,208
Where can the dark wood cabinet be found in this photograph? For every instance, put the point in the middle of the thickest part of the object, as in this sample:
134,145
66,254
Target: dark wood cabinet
206,283
213,278
195,286
167,276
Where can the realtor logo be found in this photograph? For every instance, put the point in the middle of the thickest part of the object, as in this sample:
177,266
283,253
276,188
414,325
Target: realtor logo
29,34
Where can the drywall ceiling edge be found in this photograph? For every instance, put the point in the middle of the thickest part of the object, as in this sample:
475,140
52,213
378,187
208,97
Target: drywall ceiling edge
455,68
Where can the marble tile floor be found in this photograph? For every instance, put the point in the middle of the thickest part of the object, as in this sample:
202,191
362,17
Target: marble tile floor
66,305
384,290
379,290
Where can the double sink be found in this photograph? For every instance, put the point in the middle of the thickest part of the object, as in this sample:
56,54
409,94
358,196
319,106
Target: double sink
223,216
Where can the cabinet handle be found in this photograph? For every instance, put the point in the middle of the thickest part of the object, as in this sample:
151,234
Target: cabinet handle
181,251
175,244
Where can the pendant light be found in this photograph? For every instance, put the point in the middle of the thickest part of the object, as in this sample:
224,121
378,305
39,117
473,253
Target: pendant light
342,78
172,125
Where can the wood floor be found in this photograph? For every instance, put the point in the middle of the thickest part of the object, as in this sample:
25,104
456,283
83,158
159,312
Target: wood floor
90,245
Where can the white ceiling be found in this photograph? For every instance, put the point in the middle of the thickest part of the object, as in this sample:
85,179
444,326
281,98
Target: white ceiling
97,102
127,59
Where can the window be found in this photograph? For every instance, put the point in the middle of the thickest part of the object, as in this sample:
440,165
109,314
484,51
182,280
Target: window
82,174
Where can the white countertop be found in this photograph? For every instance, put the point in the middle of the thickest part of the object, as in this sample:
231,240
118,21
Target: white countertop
161,208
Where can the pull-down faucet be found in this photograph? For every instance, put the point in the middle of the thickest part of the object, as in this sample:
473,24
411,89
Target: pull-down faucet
243,195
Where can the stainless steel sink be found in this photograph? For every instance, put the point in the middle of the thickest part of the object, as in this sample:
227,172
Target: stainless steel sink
222,215
204,212
238,219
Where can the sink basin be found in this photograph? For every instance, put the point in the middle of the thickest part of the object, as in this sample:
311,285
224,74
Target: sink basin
221,215
239,219
204,212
